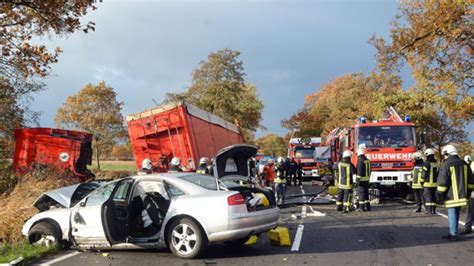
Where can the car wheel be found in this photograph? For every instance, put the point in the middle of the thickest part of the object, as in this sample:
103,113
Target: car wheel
186,239
45,234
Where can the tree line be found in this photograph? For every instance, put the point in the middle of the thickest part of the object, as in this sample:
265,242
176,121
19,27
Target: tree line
432,38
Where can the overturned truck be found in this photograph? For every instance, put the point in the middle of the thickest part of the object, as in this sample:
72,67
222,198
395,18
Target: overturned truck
50,147
178,130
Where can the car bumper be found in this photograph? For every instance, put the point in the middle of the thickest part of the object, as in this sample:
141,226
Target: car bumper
241,226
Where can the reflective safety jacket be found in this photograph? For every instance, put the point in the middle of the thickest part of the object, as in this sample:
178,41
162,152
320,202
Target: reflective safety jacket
281,172
345,172
202,170
417,177
430,169
363,168
456,181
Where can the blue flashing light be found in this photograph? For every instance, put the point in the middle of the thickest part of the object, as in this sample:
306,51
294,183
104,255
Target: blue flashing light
407,118
363,119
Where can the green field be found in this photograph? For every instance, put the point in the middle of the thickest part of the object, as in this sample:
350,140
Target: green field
114,166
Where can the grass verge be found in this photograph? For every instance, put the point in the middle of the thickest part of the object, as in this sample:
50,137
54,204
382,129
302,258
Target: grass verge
10,252
115,166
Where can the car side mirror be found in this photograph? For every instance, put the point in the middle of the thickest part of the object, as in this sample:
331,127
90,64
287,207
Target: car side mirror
83,203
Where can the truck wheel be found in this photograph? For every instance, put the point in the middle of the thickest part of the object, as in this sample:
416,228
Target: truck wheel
186,239
47,234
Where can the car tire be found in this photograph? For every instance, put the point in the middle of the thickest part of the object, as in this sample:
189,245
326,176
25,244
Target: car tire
186,239
45,233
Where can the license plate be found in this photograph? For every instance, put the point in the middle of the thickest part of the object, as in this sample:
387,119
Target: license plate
387,182
387,164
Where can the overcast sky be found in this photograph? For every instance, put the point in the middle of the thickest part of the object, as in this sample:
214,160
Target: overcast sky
144,49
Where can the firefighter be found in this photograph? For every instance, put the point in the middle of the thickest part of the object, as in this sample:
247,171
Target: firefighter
280,181
299,172
146,167
417,180
363,177
268,173
293,169
470,207
202,168
175,165
455,183
345,181
430,170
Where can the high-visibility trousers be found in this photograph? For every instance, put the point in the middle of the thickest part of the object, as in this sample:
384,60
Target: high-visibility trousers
363,191
429,193
418,196
344,197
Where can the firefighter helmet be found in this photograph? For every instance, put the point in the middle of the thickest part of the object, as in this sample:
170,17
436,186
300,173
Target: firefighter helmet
468,158
360,151
203,160
346,154
449,150
270,161
417,155
146,164
175,161
429,152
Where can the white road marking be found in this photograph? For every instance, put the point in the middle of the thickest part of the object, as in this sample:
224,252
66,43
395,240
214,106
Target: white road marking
298,237
303,192
299,232
67,256
445,216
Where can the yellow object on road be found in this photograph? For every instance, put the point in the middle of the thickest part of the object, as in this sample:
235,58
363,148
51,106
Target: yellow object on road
252,240
280,236
333,190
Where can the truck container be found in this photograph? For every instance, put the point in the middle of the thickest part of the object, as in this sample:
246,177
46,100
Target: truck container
178,130
66,149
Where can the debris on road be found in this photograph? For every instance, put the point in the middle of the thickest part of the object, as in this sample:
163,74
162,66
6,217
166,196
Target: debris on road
252,240
279,236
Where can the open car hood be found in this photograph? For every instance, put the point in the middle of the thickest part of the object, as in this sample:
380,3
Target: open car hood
64,197
233,160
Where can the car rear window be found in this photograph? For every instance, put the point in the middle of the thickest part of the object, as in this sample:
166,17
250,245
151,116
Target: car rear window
204,181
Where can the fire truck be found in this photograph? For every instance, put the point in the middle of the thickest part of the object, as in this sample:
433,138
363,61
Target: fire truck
389,144
306,150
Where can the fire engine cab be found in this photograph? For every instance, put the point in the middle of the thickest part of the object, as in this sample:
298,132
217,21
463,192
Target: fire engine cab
389,144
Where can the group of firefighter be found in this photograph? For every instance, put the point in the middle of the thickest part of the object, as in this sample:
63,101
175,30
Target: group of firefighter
282,174
450,183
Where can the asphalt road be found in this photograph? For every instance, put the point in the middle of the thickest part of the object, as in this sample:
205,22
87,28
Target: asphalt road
391,234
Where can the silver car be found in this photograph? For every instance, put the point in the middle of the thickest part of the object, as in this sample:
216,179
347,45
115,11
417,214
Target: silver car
184,211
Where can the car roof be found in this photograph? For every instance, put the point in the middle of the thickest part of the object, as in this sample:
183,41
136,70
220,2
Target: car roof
175,179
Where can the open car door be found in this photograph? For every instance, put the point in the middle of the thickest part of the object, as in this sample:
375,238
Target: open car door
115,213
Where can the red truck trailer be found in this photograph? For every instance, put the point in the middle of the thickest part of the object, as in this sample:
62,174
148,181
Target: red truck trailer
178,130
66,149
389,144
